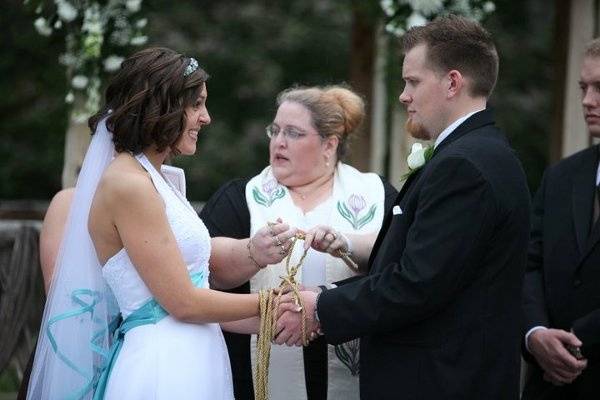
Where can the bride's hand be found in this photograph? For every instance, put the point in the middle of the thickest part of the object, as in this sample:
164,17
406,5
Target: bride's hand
327,240
271,243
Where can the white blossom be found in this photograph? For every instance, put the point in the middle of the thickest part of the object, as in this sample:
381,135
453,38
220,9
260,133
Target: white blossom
141,23
79,81
489,7
112,63
69,98
42,26
388,7
415,19
58,24
138,40
66,11
426,7
133,5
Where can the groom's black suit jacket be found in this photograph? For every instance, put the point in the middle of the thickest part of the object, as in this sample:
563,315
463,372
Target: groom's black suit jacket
438,312
562,282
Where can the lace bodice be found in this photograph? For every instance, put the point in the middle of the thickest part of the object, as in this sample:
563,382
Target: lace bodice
191,235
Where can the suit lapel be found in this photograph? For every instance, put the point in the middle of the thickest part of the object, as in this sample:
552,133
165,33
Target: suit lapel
584,181
389,215
477,120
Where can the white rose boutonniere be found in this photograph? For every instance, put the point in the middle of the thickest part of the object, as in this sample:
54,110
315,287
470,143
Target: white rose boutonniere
418,156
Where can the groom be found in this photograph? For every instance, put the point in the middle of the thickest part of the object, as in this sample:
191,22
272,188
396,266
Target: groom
438,312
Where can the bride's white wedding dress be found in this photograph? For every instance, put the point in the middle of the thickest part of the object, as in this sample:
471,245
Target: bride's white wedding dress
168,359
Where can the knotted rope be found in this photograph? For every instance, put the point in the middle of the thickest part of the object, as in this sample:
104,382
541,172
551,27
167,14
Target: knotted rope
268,320
267,299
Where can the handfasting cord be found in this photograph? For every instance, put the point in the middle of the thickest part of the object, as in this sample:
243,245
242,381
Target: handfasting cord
268,315
268,319
345,256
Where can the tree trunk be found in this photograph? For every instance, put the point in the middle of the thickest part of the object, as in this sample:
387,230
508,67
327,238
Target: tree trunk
361,78
76,144
379,104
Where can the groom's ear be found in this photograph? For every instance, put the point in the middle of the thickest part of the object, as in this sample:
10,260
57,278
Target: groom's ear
455,83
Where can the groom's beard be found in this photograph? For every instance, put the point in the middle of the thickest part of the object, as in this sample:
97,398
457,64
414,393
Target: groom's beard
416,130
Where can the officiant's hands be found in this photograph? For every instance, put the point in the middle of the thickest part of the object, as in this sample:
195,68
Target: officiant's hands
327,240
289,319
271,243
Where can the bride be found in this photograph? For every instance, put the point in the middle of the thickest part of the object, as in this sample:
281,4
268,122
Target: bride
135,257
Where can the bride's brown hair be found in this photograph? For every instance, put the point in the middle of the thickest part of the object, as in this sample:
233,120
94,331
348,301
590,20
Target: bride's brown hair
146,99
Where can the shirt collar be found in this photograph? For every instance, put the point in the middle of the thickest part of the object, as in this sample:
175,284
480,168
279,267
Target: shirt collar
446,132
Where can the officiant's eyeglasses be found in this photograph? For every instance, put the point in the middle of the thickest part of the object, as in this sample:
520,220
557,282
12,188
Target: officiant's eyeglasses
289,132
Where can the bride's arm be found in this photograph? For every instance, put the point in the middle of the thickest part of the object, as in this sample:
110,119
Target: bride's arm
234,261
138,214
246,326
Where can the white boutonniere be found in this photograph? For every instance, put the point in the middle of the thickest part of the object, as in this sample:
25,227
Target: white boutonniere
418,156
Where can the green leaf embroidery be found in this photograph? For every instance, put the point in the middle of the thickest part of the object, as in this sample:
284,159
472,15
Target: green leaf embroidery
278,194
259,198
367,218
344,212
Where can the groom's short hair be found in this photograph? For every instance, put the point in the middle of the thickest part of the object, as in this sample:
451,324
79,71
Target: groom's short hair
458,43
592,48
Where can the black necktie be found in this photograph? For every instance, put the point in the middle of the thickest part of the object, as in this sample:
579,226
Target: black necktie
596,211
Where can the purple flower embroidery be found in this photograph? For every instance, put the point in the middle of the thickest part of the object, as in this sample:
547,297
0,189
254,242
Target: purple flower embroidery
271,191
268,186
352,209
357,203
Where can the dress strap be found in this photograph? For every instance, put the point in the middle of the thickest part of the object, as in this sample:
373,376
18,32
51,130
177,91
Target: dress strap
164,186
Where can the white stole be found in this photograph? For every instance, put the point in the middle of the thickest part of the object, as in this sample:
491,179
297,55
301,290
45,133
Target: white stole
358,209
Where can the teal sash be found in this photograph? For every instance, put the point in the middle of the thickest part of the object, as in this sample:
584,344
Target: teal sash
149,313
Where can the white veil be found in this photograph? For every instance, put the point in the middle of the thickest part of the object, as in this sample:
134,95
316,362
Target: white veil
74,335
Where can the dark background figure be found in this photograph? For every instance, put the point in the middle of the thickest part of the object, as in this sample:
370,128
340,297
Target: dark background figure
562,284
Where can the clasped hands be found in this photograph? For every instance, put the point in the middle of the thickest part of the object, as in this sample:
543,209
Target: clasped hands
550,349
288,328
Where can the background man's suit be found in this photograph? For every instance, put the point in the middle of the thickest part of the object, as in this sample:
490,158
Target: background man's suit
562,282
438,313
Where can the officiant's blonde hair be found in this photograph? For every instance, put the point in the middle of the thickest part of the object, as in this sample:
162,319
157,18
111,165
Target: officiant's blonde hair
336,110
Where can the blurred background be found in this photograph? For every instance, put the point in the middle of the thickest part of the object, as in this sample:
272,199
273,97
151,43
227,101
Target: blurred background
253,49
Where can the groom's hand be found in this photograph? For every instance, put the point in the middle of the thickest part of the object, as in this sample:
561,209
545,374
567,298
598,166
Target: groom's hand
289,322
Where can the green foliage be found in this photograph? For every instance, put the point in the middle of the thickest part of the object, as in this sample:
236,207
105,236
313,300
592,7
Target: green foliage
252,50
523,97
33,115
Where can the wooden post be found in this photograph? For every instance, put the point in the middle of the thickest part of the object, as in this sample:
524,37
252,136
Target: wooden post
76,143
379,103
361,78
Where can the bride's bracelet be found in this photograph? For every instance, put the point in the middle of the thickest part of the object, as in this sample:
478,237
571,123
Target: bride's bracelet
252,257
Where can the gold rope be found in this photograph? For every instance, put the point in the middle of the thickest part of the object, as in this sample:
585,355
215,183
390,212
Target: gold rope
268,316
268,320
